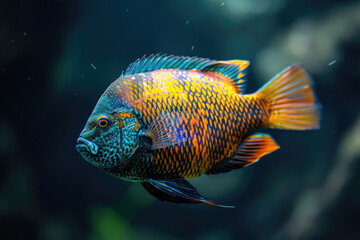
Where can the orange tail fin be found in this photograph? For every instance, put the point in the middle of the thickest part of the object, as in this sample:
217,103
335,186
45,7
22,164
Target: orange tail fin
292,104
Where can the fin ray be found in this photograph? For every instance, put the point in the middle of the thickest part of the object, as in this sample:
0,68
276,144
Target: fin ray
291,100
176,190
250,151
167,130
235,70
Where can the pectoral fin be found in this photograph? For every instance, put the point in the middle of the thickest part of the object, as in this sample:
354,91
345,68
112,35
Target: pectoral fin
167,129
250,151
176,190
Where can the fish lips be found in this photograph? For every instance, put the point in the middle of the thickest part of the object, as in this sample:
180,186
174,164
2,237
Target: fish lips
83,144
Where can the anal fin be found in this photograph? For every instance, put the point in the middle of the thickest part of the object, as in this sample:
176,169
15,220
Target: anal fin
176,190
250,151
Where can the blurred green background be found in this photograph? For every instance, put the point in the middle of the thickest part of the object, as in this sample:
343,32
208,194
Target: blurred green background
307,190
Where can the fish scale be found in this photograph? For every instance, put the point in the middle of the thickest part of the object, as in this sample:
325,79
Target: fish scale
169,118
218,113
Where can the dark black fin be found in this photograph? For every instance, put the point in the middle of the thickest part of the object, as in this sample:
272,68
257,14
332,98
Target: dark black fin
233,69
250,151
167,130
176,190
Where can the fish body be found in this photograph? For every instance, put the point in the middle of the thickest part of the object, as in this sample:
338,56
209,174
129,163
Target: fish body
167,119
216,119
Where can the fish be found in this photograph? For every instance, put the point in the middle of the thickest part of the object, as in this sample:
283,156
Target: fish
170,118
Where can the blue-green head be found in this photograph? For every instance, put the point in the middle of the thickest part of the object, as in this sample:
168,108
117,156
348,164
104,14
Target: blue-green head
111,134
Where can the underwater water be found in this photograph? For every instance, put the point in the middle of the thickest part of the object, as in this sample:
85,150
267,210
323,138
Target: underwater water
58,56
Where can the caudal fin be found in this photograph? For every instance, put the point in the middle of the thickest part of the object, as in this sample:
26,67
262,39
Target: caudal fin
291,101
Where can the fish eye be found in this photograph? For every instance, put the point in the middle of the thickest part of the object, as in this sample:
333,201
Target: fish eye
103,122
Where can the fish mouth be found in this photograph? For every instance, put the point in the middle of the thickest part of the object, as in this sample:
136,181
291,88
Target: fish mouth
82,143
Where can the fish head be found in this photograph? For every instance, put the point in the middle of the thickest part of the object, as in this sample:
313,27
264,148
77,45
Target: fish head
110,136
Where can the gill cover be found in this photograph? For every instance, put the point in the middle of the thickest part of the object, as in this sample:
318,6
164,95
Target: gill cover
130,127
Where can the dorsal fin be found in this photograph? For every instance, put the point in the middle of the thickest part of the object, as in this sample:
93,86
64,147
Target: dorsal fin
233,69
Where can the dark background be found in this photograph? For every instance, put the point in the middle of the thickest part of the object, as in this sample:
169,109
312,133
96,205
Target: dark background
309,189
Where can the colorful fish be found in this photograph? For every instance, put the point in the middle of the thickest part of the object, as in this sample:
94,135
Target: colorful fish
169,118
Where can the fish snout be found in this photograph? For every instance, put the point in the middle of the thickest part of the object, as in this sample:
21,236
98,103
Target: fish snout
83,144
